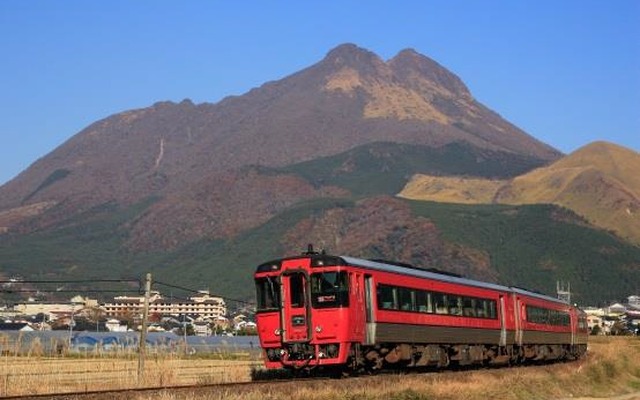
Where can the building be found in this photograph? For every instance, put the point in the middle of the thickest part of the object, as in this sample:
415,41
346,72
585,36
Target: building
593,321
201,328
202,305
114,325
53,310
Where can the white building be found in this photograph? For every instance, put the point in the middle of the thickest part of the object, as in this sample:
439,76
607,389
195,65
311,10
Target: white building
202,305
114,325
53,310
202,328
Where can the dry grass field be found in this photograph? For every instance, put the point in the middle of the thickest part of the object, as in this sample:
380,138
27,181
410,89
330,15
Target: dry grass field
24,375
611,369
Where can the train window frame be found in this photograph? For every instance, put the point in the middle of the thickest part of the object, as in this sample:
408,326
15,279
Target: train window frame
389,292
454,305
423,302
546,316
469,306
330,293
406,299
297,290
413,300
268,294
440,303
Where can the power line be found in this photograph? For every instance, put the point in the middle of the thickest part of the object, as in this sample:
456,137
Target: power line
4,290
6,287
21,281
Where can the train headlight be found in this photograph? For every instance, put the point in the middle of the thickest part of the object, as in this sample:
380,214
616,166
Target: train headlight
277,332
318,328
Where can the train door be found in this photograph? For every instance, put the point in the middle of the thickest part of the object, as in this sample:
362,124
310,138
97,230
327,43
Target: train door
503,322
358,309
520,313
573,321
295,306
370,334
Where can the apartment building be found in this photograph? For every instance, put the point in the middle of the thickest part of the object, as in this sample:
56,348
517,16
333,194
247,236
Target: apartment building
202,305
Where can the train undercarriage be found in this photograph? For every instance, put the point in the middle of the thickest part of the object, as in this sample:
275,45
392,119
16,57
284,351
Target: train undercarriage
443,356
370,359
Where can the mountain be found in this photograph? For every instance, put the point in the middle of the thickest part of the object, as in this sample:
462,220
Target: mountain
200,194
196,159
599,181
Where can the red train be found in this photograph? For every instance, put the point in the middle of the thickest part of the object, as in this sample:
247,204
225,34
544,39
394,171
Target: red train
344,313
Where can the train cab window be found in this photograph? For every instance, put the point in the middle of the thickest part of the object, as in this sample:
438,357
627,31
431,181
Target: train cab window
330,289
296,290
387,299
268,294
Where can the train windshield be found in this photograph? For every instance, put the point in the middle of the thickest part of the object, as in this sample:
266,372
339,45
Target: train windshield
268,293
330,289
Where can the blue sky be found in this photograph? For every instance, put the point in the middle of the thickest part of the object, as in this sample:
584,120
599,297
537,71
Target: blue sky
567,72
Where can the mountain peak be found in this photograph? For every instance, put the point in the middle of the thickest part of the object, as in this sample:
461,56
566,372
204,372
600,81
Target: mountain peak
409,64
351,55
602,145
616,160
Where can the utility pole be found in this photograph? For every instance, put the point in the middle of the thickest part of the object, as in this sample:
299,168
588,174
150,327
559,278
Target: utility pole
564,292
143,330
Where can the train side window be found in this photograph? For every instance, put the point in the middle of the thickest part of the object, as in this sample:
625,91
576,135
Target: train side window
387,298
422,301
455,305
440,303
482,308
405,297
469,307
492,309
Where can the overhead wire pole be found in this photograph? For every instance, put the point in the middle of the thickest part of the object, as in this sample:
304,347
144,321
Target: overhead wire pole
143,329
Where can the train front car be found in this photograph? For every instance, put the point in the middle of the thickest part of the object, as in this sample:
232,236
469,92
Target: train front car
304,312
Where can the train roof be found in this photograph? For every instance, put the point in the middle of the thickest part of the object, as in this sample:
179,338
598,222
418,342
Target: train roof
537,295
421,273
